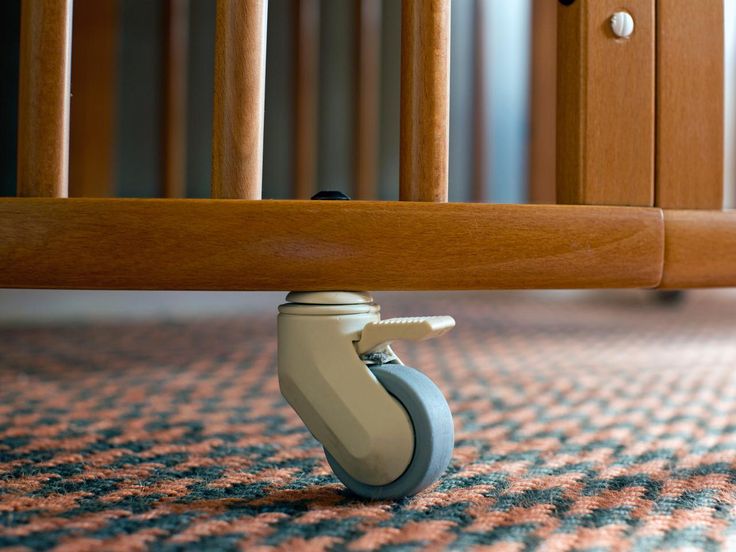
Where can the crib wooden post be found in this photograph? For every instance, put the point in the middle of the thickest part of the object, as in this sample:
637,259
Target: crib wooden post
367,91
690,99
425,99
43,106
605,104
306,26
174,109
240,71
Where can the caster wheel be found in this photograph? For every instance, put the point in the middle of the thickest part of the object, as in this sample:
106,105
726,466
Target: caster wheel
433,434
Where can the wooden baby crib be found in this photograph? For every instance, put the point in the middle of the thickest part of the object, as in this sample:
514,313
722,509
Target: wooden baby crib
639,174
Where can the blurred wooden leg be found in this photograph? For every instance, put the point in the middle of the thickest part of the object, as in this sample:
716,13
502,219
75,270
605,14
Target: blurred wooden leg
94,98
306,92
174,112
367,96
543,105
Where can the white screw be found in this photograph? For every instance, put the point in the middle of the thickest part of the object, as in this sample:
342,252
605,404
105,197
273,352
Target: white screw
622,24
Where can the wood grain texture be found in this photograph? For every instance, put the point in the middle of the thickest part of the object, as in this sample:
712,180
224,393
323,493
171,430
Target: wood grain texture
605,105
322,245
425,100
43,92
543,103
306,14
240,81
367,96
93,129
175,51
700,249
690,104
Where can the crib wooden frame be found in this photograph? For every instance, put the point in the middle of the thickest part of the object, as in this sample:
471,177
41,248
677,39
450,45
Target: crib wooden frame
649,193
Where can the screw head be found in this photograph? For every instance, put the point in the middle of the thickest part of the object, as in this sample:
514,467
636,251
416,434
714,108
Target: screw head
330,195
622,24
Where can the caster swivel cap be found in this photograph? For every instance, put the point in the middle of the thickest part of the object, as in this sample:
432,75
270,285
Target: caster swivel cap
330,297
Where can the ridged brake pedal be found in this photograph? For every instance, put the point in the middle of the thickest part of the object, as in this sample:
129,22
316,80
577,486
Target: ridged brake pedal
377,335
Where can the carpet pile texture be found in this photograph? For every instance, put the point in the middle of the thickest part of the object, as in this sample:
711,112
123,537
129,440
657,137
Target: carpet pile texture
605,422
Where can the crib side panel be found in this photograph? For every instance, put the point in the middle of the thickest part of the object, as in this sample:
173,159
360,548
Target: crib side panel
690,104
605,104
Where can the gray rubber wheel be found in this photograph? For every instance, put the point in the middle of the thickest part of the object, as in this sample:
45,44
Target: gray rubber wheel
434,436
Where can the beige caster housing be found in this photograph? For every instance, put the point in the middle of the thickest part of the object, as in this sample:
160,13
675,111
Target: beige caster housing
386,428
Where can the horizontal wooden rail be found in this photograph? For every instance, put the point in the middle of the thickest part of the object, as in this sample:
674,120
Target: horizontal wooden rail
321,245
700,249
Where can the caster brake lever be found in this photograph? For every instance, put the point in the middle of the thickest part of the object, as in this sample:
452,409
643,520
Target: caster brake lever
376,336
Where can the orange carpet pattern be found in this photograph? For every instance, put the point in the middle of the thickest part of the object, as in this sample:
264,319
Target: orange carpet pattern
605,422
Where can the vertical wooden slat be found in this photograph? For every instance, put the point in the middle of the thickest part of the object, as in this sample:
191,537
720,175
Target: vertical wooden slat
240,71
43,104
174,113
481,101
306,15
543,104
605,101
729,105
367,95
94,98
425,99
690,104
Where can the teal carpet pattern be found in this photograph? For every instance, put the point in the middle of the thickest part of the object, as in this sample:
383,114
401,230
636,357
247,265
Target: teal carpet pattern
593,423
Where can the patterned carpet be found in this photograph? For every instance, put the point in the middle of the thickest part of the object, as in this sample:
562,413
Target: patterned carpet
605,422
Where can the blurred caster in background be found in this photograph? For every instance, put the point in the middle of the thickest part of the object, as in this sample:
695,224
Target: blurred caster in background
671,297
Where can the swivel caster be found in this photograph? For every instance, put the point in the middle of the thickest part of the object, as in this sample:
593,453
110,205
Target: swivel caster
670,297
386,428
